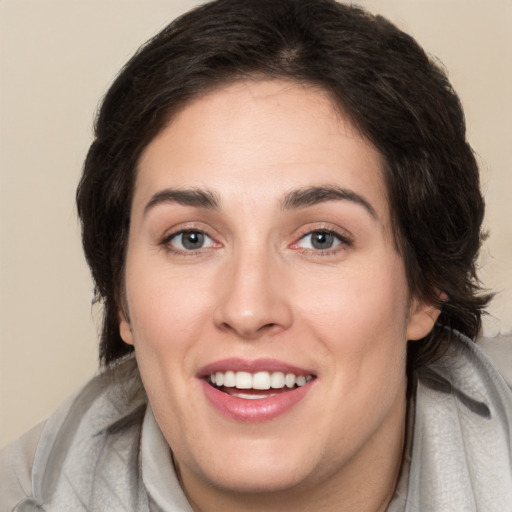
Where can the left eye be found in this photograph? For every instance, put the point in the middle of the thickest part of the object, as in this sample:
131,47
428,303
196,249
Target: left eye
190,240
319,240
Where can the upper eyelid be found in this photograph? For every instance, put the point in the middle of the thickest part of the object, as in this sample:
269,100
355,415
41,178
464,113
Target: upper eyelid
338,235
337,232
185,227
169,238
342,238
167,242
312,228
180,231
343,234
346,241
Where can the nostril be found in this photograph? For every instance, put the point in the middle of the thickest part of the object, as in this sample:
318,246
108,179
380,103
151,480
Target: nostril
251,316
269,328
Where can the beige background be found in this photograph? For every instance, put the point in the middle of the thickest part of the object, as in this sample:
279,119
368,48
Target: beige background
57,59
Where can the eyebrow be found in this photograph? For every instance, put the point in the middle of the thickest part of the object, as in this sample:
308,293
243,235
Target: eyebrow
196,198
310,196
296,199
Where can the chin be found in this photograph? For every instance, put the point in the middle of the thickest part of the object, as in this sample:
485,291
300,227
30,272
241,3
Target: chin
256,469
258,480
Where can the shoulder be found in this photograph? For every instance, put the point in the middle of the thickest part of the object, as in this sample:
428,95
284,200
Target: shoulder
16,460
499,351
58,457
460,455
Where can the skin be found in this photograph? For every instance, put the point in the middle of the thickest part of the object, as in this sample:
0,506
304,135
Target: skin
258,288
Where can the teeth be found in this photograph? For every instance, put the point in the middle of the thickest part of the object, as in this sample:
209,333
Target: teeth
289,380
277,380
243,380
301,380
261,380
246,396
258,380
229,379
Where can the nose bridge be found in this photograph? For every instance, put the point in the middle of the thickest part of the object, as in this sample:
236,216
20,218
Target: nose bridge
252,299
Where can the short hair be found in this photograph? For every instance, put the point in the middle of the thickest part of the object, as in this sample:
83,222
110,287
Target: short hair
380,78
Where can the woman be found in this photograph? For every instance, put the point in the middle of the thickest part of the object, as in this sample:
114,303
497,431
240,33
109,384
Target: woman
282,215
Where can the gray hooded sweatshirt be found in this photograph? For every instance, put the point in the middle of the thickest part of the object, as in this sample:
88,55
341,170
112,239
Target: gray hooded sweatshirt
103,450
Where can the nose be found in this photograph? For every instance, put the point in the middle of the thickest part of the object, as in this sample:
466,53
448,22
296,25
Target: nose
252,298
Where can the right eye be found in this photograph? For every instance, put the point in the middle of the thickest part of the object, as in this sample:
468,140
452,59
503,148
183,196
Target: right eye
189,240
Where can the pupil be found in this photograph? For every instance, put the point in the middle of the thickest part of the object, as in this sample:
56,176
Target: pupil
192,240
322,240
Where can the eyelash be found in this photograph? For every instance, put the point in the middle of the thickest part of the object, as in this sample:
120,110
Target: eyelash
343,242
167,242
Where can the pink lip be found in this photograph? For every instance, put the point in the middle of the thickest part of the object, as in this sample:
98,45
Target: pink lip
254,411
257,410
258,365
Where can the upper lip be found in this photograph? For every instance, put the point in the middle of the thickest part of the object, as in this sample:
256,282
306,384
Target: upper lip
251,366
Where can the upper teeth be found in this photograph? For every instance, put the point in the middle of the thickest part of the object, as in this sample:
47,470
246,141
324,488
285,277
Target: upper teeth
258,380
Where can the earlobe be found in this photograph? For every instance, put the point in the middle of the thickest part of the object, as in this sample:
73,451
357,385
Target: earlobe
422,318
125,328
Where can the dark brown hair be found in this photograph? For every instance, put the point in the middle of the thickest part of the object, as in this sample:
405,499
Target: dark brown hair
381,79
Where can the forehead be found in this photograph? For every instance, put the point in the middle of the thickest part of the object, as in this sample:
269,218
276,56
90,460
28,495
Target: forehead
270,137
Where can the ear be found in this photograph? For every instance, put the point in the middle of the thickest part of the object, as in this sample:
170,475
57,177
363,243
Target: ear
125,327
422,318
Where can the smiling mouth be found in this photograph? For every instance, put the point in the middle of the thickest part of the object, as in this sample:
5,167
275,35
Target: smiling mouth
259,385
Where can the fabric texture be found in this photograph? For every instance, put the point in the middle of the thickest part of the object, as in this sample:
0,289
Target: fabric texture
103,449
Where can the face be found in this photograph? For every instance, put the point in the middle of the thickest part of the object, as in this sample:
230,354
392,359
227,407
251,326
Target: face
265,296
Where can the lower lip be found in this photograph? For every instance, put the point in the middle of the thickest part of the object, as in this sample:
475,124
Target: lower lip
256,410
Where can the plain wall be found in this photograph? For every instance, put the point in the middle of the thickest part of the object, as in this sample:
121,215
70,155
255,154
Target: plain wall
57,59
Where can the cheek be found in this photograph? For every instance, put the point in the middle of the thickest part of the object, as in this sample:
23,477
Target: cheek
362,299
165,309
360,318
167,318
